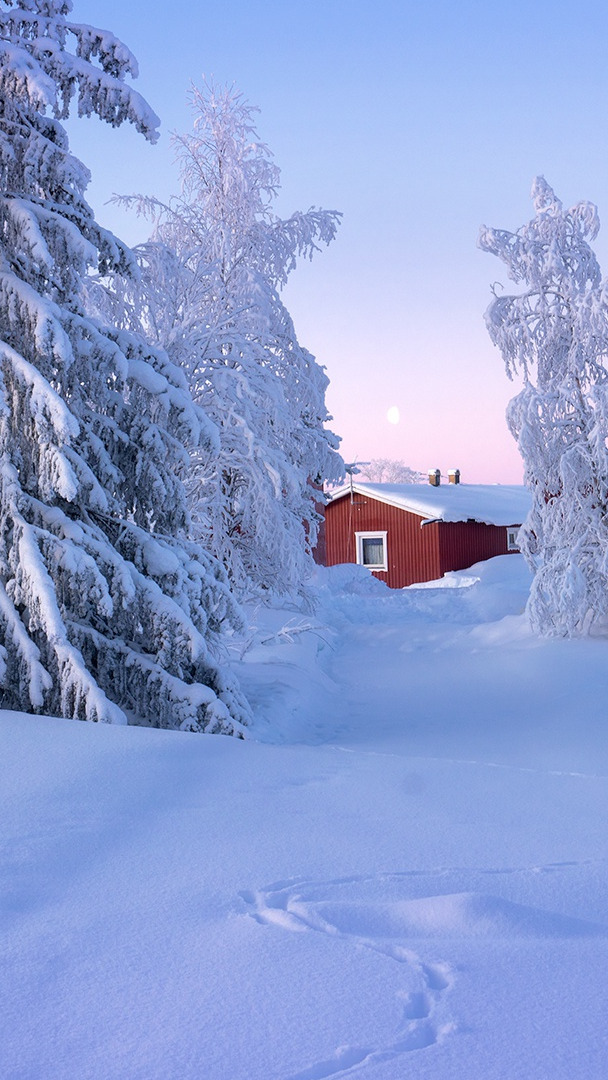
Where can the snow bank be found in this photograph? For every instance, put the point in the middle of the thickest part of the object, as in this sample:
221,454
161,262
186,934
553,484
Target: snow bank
405,875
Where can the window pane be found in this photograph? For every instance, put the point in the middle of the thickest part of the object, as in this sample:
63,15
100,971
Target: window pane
372,550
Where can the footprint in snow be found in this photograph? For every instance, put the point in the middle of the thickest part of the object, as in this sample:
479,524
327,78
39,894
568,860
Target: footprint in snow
301,906
356,909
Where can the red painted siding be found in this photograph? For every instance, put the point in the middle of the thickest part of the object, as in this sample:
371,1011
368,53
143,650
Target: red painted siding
415,552
462,543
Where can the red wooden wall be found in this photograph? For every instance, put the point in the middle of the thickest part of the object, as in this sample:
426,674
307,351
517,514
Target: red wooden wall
462,543
415,552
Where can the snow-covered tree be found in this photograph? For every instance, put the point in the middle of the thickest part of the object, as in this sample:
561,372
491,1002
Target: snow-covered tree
105,613
389,471
211,275
555,335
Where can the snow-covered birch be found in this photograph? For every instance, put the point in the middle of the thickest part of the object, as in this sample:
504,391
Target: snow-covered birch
555,336
211,280
389,471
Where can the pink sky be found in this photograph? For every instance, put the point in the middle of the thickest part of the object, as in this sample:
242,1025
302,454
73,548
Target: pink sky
450,387
420,123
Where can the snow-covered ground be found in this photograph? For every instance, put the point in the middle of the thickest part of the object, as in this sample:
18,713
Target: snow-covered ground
403,873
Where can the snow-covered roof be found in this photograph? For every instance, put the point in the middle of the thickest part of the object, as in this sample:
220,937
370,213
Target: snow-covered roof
492,504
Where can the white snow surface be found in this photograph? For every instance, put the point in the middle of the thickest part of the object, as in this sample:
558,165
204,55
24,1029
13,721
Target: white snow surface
491,504
401,873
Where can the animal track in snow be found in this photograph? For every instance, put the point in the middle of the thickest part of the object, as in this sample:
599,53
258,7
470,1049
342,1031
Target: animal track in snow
301,906
418,1006
384,913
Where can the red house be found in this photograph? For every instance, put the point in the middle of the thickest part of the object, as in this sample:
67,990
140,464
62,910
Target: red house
417,532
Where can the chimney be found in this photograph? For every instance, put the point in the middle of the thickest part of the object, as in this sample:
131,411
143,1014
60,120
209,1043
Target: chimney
453,476
434,477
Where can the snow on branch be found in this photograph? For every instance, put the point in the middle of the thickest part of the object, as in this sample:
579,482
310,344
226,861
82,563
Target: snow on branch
211,274
108,611
555,335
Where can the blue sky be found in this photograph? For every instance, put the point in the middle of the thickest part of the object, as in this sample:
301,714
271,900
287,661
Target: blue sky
420,122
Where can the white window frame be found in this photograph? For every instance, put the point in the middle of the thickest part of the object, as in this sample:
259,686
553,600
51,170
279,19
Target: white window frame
377,534
512,534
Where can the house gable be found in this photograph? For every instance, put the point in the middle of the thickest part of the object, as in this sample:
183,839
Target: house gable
411,550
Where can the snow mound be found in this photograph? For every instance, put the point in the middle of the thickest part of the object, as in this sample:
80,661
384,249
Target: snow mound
426,798
455,915
348,578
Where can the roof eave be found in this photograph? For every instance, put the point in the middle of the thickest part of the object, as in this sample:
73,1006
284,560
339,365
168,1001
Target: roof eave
424,519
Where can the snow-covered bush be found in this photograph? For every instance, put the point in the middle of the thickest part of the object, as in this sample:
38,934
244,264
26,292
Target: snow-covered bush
211,276
105,613
555,334
389,471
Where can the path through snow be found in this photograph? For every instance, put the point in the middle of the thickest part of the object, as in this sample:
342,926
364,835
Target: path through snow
427,795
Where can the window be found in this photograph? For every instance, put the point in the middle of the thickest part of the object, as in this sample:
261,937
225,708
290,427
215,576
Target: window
512,535
371,550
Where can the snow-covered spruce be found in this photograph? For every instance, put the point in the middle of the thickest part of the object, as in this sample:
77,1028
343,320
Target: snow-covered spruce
555,334
105,613
211,279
